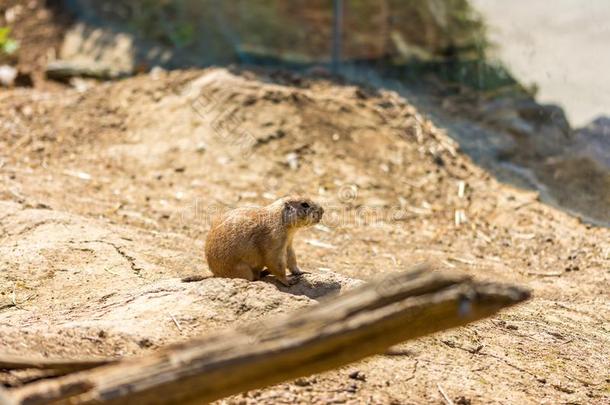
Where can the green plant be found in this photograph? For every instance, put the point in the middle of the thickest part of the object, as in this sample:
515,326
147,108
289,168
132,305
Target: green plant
8,45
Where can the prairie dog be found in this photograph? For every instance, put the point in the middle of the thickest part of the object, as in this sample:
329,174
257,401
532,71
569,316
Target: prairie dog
244,241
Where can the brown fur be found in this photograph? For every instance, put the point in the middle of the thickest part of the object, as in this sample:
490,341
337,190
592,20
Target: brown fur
244,241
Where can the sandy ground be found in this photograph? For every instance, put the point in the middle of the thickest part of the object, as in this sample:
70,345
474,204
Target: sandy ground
106,195
563,46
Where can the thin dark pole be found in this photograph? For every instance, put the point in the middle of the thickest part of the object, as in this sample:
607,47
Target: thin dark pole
337,34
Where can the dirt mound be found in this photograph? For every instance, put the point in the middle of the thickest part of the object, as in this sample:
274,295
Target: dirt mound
108,192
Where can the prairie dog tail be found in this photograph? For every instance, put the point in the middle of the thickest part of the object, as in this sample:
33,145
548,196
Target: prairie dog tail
193,279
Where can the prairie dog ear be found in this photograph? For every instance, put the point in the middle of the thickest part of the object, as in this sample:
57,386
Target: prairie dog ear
290,212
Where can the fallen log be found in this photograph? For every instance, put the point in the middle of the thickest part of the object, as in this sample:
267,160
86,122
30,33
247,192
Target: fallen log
360,323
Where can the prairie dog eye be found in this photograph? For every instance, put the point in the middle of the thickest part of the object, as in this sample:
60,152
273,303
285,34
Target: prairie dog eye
304,205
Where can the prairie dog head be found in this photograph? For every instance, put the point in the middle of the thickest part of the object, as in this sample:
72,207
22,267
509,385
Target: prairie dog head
299,212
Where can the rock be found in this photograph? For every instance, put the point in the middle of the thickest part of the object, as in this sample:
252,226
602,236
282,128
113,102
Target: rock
64,70
302,382
577,172
544,128
593,141
121,49
201,147
138,296
357,375
292,159
533,146
543,115
157,72
99,47
8,74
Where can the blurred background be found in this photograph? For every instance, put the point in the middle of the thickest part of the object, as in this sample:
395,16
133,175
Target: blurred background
521,85
562,48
